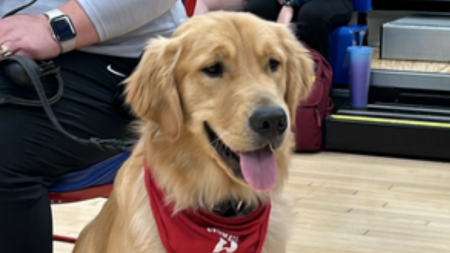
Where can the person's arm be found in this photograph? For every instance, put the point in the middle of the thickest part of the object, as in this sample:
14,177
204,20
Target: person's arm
286,13
29,35
36,41
86,32
201,7
112,18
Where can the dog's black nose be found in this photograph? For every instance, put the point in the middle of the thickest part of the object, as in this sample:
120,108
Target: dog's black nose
269,122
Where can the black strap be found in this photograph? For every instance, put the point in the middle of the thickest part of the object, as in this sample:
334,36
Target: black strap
34,73
10,13
13,68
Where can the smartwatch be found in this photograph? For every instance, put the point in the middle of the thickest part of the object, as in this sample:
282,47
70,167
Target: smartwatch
63,30
289,3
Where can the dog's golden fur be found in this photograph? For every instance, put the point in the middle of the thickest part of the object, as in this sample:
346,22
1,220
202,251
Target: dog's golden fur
173,97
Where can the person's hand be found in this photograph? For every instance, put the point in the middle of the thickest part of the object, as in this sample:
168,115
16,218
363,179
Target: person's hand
285,15
281,1
28,36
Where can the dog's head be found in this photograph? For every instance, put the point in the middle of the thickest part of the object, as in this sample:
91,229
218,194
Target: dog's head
230,81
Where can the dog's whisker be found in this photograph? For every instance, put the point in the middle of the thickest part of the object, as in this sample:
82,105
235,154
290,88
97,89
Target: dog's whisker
222,136
218,139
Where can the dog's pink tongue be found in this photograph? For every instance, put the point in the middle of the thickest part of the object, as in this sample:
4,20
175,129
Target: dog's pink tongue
259,168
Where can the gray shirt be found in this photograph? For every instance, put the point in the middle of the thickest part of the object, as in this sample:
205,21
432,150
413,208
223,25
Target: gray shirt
124,26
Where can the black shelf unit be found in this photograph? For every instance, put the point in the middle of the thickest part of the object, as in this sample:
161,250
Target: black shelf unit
412,5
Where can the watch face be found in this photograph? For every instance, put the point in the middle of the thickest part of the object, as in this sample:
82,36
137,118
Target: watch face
62,28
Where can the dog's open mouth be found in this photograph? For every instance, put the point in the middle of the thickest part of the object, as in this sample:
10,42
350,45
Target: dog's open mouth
258,168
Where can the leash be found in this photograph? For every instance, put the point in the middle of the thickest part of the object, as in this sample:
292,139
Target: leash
25,72
14,11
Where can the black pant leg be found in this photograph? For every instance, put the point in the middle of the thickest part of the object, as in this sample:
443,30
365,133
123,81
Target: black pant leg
33,153
26,228
318,18
266,9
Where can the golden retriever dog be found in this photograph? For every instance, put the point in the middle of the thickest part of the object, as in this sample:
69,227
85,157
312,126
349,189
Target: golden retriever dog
216,103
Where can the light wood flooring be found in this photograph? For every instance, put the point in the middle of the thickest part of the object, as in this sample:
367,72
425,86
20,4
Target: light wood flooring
345,204
414,66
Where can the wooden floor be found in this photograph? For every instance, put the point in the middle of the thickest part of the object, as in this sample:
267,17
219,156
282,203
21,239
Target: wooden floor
345,204
414,66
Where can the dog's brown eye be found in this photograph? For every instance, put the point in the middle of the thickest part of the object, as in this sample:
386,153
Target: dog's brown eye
215,70
273,65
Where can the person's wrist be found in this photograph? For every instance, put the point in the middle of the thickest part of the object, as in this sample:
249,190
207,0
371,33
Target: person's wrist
288,3
86,32
62,29
44,22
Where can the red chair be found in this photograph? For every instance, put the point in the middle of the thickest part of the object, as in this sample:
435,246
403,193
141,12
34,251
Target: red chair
95,181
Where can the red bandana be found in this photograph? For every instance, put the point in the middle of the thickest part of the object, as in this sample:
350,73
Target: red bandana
203,232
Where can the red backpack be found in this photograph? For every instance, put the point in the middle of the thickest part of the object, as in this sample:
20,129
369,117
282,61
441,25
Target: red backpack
311,112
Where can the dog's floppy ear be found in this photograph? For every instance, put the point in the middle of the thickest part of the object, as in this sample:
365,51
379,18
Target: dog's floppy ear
299,70
151,91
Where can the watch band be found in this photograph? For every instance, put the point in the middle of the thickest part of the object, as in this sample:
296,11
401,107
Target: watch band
289,3
66,45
